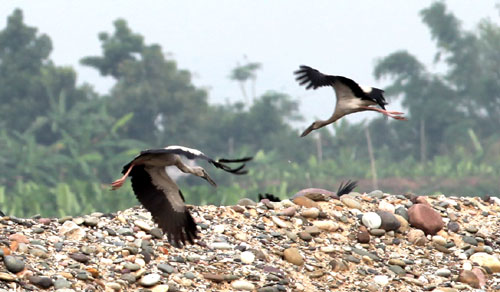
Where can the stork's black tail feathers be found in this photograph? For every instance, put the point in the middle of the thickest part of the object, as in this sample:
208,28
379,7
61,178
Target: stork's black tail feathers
238,170
346,187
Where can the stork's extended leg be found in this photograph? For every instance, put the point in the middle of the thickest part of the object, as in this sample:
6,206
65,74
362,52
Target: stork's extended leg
119,182
391,114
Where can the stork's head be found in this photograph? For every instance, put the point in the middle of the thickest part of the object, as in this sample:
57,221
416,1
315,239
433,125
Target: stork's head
313,126
201,172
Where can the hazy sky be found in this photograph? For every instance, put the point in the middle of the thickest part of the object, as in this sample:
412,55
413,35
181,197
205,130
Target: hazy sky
209,38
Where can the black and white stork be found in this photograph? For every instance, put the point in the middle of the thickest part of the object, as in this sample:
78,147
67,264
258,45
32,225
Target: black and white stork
351,97
161,196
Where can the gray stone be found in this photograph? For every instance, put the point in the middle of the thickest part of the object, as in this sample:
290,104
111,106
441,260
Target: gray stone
443,272
246,202
90,221
131,266
129,277
166,268
398,270
13,264
389,221
82,275
39,253
125,231
401,211
376,194
43,282
79,257
189,275
61,283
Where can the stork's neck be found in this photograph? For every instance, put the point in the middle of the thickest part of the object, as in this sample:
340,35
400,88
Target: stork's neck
336,115
184,168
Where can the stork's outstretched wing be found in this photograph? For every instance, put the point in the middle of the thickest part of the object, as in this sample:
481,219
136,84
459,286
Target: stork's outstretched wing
191,153
166,206
312,78
343,86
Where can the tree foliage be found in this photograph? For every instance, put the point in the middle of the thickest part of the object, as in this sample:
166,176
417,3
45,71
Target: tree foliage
61,143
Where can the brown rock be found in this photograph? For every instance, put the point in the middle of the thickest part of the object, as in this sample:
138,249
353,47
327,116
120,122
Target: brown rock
290,212
20,238
238,208
363,236
405,226
214,277
305,202
417,237
470,278
293,256
421,200
425,218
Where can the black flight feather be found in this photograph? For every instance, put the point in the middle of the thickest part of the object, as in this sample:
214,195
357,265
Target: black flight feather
179,226
346,187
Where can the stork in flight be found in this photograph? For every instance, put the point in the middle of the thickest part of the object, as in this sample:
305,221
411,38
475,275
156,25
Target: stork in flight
351,98
161,196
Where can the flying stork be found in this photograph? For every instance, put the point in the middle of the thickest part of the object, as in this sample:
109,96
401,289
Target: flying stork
351,98
161,196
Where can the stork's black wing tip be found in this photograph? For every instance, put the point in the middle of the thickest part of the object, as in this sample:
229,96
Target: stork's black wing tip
346,187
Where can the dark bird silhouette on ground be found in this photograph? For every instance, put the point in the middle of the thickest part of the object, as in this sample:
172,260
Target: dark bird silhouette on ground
161,196
351,98
270,197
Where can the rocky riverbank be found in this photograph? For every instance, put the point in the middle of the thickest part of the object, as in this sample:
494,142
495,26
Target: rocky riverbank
360,242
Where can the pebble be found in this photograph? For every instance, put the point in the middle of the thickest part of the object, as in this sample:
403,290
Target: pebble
381,280
305,202
72,231
280,223
350,202
246,202
61,283
242,285
293,256
220,245
247,257
310,213
13,264
326,225
306,236
143,225
443,272
42,282
166,268
79,257
150,280
371,220
386,206
486,260
91,221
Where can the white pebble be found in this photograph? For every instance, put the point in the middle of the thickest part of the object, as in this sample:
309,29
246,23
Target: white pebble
381,280
220,245
242,285
371,220
150,280
385,206
219,229
247,257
